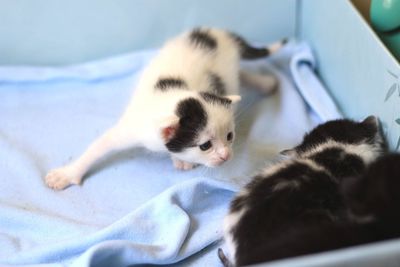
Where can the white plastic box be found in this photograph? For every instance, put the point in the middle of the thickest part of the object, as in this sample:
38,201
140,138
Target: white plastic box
359,72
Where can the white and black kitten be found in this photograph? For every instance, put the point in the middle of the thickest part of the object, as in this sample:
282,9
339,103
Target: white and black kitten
183,104
373,201
300,192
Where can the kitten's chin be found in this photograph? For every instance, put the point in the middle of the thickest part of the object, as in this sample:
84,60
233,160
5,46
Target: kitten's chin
216,163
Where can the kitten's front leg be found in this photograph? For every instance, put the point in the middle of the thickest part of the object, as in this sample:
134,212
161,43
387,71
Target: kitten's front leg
182,165
62,177
112,140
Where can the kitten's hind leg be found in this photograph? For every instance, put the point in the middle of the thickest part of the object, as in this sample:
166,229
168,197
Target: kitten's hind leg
266,83
113,140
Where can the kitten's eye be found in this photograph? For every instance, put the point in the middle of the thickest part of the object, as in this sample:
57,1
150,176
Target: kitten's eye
205,146
229,136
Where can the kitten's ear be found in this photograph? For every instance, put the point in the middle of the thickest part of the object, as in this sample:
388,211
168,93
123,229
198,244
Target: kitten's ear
290,153
169,125
371,121
234,98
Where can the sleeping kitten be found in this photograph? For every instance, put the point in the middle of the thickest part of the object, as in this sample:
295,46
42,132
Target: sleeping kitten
183,104
299,192
374,203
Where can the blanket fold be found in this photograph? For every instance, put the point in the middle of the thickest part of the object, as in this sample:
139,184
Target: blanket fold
134,208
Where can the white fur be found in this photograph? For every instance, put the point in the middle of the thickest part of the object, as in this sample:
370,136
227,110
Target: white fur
150,110
313,165
231,221
367,152
271,169
295,183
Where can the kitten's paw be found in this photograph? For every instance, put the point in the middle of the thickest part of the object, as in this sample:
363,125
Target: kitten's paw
61,178
183,165
263,82
268,84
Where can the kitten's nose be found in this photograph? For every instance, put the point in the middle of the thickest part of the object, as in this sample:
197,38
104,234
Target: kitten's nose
225,155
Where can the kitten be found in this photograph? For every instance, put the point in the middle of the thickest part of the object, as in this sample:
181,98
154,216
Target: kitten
373,201
299,192
183,104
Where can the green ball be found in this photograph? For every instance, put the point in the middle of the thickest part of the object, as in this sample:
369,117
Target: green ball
385,18
385,14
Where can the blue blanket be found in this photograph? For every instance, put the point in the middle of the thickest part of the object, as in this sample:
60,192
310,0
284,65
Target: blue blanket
133,208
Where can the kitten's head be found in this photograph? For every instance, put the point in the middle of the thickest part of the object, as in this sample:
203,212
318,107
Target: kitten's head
202,130
361,138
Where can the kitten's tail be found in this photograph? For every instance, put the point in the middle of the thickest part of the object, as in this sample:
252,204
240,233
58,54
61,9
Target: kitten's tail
225,261
249,52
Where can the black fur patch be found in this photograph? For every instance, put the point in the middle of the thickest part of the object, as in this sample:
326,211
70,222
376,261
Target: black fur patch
344,131
193,119
165,83
215,99
373,193
270,211
216,84
340,163
203,39
376,192
247,51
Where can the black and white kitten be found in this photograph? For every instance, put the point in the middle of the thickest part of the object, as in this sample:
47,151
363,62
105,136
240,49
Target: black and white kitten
373,201
299,192
183,104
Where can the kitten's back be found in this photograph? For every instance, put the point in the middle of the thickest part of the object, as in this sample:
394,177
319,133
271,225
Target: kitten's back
191,58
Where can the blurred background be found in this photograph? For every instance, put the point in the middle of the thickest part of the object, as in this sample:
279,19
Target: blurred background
55,32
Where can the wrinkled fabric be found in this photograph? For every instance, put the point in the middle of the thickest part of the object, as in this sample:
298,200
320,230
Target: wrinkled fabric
133,208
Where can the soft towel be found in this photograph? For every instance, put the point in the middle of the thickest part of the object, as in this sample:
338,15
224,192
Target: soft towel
133,208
